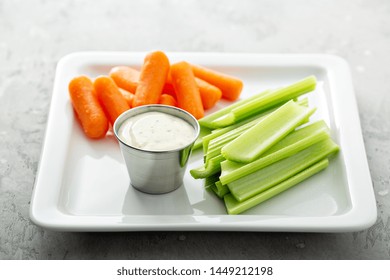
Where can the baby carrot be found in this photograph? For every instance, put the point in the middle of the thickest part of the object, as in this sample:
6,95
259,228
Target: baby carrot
152,79
89,112
167,99
125,77
230,86
128,96
187,92
168,89
110,97
209,94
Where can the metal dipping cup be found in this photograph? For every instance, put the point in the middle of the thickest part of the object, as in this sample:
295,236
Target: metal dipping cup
156,172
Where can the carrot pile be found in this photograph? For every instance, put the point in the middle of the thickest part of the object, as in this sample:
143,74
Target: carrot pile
190,87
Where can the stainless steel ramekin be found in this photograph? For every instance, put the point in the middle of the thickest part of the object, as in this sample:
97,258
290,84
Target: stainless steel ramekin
156,172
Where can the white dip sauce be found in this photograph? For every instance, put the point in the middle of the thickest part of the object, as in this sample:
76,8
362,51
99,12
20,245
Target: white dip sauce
156,131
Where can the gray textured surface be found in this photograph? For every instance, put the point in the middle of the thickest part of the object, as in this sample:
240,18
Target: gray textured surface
35,34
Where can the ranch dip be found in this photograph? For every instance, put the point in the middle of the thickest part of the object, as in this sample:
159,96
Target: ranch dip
156,131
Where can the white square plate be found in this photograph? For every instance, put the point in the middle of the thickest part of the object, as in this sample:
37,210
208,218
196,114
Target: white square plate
82,184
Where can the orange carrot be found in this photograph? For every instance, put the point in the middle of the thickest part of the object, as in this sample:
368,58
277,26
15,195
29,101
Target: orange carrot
125,77
187,92
209,94
230,86
128,96
167,99
152,79
89,112
110,97
168,89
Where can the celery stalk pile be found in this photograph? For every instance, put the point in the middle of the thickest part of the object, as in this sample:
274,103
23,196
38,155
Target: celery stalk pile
259,147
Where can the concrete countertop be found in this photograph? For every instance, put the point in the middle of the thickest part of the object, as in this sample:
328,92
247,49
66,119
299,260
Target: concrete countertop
36,34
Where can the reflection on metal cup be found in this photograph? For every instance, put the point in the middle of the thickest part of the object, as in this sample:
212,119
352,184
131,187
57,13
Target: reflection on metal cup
156,172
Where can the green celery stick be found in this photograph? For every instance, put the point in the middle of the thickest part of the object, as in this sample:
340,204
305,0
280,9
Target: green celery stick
266,101
206,121
234,207
291,144
215,190
219,189
214,134
281,170
219,137
204,131
256,140
246,123
213,166
221,140
249,122
223,189
215,145
303,102
211,180
215,149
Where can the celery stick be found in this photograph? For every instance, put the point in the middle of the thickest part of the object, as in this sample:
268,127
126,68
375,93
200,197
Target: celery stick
213,166
212,183
214,146
214,134
223,189
303,102
234,207
291,144
266,101
256,140
252,120
219,189
249,122
279,171
215,149
204,131
215,190
211,180
222,136
206,121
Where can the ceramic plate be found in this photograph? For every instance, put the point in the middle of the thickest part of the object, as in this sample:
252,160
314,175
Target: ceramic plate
82,184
